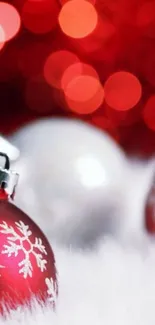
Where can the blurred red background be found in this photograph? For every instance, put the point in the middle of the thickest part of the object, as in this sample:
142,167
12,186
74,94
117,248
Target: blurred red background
90,59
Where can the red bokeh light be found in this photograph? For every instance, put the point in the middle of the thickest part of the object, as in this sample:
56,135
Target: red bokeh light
2,38
84,94
10,21
146,18
75,70
62,2
38,95
78,18
56,64
123,40
97,44
40,16
122,91
149,113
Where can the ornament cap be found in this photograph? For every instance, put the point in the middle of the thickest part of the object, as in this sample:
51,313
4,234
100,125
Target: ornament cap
8,178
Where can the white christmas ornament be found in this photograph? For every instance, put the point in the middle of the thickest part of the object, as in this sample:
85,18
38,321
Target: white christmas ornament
74,180
9,149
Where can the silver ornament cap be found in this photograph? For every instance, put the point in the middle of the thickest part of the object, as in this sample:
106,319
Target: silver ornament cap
8,178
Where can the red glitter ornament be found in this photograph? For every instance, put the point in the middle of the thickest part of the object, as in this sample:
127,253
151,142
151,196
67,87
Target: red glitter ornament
27,264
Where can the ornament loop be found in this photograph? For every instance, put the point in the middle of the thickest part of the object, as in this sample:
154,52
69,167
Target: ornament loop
7,161
8,178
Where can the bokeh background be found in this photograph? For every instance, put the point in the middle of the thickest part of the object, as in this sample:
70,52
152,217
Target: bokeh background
92,59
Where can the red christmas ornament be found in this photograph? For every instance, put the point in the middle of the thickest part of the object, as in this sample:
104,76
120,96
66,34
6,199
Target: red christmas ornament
27,264
150,211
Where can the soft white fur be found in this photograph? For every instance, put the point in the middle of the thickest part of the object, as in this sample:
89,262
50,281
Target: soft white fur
111,283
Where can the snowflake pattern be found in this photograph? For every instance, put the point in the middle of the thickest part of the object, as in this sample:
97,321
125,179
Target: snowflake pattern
51,290
16,244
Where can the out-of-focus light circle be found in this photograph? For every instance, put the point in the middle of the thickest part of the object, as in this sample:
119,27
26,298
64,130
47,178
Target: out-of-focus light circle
2,38
84,94
9,21
40,16
146,13
75,70
38,95
97,43
122,91
62,2
78,18
149,113
146,18
55,66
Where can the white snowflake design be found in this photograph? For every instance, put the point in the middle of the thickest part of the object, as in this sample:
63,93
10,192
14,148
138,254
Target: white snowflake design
25,266
51,290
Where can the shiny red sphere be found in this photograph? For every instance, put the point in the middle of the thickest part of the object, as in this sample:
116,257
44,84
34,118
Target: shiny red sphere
27,263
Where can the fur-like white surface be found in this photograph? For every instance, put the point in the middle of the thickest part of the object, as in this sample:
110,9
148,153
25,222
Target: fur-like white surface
114,284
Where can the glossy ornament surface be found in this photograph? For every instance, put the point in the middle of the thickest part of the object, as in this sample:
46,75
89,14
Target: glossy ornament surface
27,263
9,149
82,171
